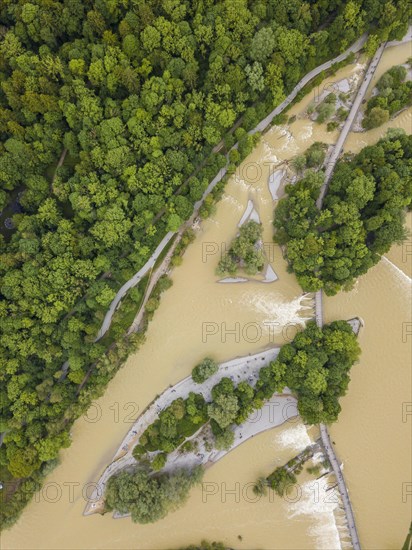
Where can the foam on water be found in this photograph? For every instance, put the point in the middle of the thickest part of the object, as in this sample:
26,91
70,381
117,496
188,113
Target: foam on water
288,144
313,499
296,438
400,274
357,74
240,181
273,129
290,139
275,310
359,67
234,201
269,153
306,132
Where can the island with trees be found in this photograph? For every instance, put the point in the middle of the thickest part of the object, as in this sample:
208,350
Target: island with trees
149,498
282,479
245,251
315,367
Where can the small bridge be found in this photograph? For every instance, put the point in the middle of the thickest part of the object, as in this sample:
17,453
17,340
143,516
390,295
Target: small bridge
326,443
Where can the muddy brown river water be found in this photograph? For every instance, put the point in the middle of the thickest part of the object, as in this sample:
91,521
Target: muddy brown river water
200,317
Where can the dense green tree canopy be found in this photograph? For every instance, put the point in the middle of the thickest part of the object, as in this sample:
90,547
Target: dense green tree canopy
393,93
149,498
362,216
245,251
315,366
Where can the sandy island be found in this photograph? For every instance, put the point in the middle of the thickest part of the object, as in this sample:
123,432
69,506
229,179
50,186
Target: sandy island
276,411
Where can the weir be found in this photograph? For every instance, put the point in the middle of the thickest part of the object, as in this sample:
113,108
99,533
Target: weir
263,124
325,436
326,443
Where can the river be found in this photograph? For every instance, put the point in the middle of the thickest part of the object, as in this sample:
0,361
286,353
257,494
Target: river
199,317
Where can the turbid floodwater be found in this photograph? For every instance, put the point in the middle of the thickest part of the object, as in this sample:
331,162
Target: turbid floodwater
198,317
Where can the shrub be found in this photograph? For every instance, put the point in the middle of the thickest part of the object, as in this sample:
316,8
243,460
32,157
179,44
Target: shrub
281,480
299,163
325,111
342,113
139,450
332,125
224,439
244,251
315,154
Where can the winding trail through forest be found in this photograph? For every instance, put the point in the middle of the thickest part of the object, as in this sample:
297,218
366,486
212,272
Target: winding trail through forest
133,282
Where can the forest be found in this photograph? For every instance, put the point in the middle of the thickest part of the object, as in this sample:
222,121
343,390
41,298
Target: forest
362,216
109,114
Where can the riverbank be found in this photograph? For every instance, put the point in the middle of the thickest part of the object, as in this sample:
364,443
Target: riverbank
250,211
230,508
261,127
